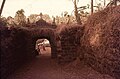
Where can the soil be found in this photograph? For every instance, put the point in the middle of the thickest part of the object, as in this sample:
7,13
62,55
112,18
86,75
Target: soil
43,67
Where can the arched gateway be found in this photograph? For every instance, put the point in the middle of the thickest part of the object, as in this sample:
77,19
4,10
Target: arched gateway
20,42
44,33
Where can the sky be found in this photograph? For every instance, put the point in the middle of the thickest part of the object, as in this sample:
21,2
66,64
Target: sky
51,7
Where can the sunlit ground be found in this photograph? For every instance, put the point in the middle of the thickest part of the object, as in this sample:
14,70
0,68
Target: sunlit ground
46,52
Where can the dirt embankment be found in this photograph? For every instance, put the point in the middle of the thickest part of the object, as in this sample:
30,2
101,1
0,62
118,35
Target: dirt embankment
101,41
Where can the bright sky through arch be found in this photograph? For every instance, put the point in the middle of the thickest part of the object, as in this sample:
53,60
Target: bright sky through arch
51,7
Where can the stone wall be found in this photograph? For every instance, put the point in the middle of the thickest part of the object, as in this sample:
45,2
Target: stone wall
70,42
18,46
14,50
44,33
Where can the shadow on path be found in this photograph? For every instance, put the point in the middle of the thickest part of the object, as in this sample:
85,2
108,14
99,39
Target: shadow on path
43,67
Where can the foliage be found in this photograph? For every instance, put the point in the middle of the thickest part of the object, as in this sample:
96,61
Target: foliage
35,17
20,18
3,21
10,20
66,19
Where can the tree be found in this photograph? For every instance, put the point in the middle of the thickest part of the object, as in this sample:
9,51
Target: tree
20,18
2,7
3,21
113,3
41,16
46,17
82,10
77,16
53,23
10,20
33,18
68,21
104,3
65,13
91,6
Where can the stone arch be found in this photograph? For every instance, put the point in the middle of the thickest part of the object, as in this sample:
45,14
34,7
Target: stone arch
45,33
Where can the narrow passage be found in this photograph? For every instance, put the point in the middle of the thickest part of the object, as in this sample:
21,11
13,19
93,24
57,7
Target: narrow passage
43,67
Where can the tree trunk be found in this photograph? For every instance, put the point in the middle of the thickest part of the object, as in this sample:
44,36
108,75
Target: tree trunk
91,6
77,16
115,2
1,9
104,3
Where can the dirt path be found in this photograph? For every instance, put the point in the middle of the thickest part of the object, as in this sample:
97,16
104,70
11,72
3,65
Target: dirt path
43,67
